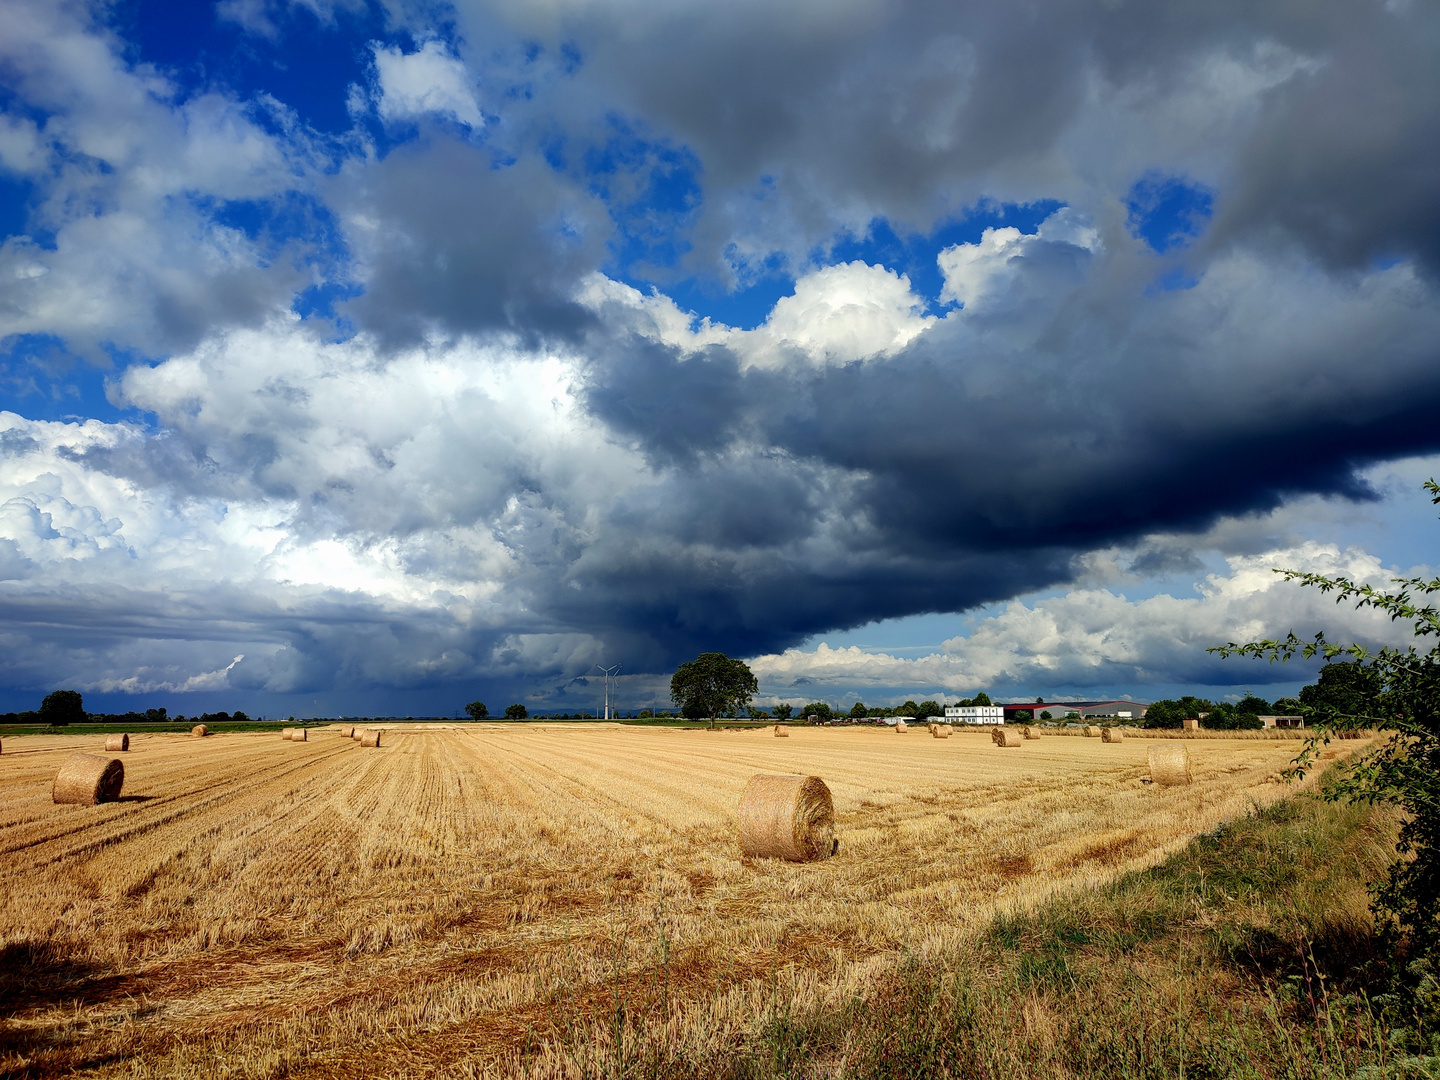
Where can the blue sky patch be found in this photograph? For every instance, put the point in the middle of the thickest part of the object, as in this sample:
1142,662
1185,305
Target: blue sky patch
1168,212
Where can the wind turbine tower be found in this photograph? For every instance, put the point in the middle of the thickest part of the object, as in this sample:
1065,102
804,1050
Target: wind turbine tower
609,673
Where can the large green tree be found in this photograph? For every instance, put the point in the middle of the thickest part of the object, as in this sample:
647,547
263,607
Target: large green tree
1396,691
712,685
63,707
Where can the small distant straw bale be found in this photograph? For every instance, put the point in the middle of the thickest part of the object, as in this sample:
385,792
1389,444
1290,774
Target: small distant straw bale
781,732
1190,724
1030,732
1092,732
117,742
285,733
199,731
787,817
1170,764
900,726
370,738
1112,734
1003,736
87,779
940,731
348,731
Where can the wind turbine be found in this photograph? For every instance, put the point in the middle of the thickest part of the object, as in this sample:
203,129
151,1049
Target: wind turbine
608,673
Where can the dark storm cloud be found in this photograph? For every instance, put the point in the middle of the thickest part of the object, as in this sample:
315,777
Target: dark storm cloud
455,242
911,111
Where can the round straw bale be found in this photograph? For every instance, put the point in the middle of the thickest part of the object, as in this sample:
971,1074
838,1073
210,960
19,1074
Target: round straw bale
1169,764
1190,724
199,731
370,738
1091,731
1030,732
285,733
87,779
940,731
1112,734
298,735
1004,736
900,726
348,731
117,742
781,732
787,817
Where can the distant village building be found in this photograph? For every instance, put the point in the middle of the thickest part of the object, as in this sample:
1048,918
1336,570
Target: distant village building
1283,721
975,714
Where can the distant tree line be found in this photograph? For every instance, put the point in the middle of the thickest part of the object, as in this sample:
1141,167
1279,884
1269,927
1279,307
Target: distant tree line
62,708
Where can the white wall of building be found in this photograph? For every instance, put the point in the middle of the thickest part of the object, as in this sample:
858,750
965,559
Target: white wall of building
974,714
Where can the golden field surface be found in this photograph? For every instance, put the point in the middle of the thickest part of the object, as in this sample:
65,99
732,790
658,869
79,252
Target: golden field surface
491,900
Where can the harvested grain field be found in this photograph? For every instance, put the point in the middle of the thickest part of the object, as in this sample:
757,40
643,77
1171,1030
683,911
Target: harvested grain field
469,901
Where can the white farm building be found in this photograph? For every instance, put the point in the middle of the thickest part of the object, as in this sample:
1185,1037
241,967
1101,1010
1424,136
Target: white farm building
975,714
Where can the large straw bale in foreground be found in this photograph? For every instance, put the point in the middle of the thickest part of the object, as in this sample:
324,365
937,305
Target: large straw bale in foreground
787,817
1170,764
1092,732
1003,736
940,731
87,779
1112,734
781,732
199,731
117,742
370,738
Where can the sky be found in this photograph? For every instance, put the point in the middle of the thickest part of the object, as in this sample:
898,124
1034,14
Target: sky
366,357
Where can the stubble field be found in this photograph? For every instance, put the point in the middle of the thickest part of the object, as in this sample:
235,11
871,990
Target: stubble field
545,899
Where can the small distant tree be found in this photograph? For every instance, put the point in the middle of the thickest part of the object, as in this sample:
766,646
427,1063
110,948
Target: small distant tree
63,707
1039,701
783,711
981,698
1166,713
818,709
1023,714
647,714
155,716
476,710
909,708
1046,715
516,712
712,685
927,709
858,710
1252,704
240,717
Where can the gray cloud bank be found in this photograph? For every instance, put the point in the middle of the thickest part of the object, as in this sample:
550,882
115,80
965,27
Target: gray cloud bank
516,466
